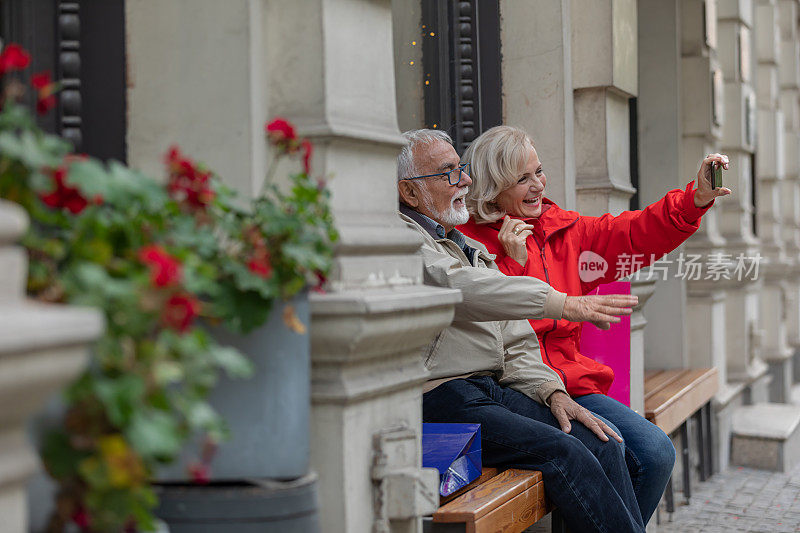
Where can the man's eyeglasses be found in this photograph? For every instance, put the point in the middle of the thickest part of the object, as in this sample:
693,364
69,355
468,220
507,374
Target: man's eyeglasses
451,179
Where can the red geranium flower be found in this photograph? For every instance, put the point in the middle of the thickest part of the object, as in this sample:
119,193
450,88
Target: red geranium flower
180,312
165,270
187,183
45,89
64,196
321,280
200,473
13,57
260,265
308,148
81,518
280,131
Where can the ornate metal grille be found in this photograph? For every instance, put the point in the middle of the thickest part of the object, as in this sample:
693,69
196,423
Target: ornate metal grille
69,72
461,58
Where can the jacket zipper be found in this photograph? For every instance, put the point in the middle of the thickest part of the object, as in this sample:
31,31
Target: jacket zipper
555,322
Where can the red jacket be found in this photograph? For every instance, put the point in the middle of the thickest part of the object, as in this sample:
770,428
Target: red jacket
558,239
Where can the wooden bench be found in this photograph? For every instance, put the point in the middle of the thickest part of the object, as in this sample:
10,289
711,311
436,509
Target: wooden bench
671,397
507,501
512,500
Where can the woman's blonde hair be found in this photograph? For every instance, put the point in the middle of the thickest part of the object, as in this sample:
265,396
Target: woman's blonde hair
497,158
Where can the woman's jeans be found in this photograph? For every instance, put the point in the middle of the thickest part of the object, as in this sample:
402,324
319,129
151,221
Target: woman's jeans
586,478
649,453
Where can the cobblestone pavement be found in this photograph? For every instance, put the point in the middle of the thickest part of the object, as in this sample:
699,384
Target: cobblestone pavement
740,499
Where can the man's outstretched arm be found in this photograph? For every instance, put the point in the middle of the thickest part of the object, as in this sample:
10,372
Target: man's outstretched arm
490,295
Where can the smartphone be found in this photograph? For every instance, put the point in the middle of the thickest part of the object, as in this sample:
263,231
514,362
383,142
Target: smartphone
716,175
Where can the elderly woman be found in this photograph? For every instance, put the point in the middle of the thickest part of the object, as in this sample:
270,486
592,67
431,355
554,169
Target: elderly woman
532,236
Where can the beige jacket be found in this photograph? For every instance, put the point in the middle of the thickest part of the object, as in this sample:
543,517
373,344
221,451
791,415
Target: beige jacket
486,334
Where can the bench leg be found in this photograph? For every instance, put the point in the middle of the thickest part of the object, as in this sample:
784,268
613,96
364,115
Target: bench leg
557,524
670,497
687,490
699,419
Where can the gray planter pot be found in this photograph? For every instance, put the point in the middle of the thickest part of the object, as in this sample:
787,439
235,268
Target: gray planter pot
268,414
275,507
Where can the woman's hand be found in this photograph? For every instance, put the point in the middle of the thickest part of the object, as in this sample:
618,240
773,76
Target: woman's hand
704,194
513,236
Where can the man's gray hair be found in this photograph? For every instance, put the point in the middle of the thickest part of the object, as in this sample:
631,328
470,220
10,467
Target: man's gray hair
405,161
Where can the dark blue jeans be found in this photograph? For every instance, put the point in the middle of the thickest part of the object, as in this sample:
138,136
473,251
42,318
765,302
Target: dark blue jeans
648,451
586,478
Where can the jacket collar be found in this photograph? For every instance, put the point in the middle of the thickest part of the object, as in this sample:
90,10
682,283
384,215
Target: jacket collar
552,219
436,231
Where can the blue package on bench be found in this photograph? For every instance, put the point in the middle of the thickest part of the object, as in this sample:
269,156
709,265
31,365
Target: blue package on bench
455,451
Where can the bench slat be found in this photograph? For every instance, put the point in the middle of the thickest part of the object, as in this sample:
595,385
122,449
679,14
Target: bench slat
478,502
656,380
673,404
516,515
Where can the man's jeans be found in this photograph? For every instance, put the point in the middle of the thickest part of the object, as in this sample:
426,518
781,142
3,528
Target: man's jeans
586,478
648,451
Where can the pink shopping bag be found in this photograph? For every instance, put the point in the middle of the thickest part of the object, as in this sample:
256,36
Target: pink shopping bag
612,347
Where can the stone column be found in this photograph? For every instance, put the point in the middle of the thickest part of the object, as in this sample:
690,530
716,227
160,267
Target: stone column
369,329
789,82
537,86
702,115
734,50
305,60
42,348
659,135
775,348
604,78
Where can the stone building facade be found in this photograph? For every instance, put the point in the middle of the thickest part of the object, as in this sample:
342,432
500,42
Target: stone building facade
623,99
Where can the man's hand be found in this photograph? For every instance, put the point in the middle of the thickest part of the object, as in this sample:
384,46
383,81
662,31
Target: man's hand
600,310
704,194
565,409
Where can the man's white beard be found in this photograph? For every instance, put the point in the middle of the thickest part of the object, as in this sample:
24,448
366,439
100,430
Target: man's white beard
453,216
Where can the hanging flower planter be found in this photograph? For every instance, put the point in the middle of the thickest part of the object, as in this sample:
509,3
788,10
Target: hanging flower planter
186,275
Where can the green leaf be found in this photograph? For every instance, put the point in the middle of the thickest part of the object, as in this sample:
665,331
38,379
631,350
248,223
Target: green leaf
121,397
166,372
201,416
154,434
60,458
30,149
235,364
90,177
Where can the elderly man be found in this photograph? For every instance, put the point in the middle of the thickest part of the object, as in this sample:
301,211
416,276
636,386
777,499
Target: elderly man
486,367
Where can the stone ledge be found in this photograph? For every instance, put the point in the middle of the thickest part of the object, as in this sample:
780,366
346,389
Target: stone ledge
26,326
383,300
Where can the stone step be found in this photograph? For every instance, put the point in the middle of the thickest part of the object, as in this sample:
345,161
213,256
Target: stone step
766,436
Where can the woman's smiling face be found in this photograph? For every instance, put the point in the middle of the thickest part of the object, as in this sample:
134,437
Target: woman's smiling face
524,200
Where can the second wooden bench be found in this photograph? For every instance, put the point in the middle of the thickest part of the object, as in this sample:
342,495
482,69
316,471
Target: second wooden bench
671,397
